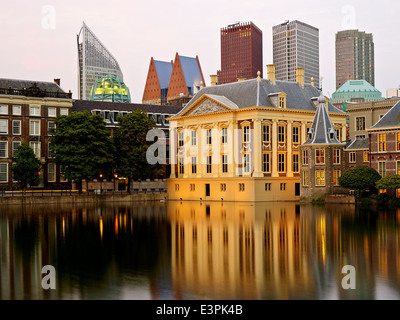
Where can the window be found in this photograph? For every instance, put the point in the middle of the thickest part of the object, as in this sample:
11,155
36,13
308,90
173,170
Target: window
64,111
16,127
352,157
34,129
3,126
360,123
398,141
319,177
223,186
320,156
15,146
336,156
397,167
180,139
281,162
3,149
268,187
336,176
224,163
176,187
382,168
51,172
283,186
295,162
305,157
246,162
305,178
281,102
246,134
194,137
224,137
36,148
209,164
34,111
382,142
181,166
266,162
241,187
281,134
16,110
194,165
192,187
3,109
295,137
50,151
52,112
3,172
266,133
366,156
338,133
208,136
51,127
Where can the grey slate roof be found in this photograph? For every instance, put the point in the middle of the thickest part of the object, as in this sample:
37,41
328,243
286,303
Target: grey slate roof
390,119
250,93
164,71
24,84
224,101
321,130
358,144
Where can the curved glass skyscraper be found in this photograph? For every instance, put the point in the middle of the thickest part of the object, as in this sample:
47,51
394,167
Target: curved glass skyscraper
95,61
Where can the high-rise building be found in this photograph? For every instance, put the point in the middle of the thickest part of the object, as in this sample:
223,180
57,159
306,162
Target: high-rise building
296,45
95,61
354,57
241,52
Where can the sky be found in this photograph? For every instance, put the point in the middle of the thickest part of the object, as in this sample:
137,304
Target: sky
38,38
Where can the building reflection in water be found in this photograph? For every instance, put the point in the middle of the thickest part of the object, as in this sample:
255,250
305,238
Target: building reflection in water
199,250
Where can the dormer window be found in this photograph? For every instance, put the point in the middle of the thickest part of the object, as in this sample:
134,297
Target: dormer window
278,99
331,134
310,133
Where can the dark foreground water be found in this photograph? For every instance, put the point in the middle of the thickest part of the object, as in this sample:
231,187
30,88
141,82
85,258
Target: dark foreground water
193,250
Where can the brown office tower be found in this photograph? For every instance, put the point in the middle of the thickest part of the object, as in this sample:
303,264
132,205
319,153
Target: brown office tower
354,57
241,52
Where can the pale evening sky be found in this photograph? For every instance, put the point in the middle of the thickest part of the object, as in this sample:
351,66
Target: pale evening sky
39,37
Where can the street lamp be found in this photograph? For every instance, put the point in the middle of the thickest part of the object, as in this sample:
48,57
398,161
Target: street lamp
115,186
101,183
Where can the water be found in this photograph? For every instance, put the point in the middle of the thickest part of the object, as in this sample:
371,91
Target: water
193,250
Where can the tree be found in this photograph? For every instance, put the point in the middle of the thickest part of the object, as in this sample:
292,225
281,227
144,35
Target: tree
26,166
389,182
131,146
359,178
82,144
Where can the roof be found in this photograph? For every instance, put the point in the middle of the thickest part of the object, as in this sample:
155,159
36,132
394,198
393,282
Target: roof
321,130
164,71
356,86
24,84
390,118
250,93
358,144
191,71
81,105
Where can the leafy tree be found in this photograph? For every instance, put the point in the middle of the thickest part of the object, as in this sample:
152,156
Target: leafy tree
389,182
26,166
83,145
131,146
359,178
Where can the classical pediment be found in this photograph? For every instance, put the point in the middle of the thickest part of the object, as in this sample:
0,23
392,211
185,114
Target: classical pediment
209,104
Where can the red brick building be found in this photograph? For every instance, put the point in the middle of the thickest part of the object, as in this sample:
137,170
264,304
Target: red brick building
241,52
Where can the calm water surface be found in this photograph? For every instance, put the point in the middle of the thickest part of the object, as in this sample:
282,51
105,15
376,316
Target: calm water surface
193,250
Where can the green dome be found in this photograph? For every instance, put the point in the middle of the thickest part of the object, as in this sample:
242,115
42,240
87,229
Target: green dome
356,90
110,88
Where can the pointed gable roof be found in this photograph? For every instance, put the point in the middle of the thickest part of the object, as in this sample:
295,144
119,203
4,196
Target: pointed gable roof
164,71
390,118
191,71
322,130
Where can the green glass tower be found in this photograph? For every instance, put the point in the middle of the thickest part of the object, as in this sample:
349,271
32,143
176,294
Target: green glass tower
111,89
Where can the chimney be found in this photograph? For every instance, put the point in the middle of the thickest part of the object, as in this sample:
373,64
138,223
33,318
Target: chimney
57,81
312,81
300,76
214,79
271,72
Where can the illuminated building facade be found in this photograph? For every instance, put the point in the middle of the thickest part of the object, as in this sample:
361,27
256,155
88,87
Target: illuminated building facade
241,52
94,61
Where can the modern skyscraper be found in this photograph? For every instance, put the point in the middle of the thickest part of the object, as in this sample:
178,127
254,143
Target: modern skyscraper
354,57
95,61
296,45
241,52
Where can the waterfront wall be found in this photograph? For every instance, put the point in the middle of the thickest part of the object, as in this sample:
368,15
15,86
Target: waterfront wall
83,198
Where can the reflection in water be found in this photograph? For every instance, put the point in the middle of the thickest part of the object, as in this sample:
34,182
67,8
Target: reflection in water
199,250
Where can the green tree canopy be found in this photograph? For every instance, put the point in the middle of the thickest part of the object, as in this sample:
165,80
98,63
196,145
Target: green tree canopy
131,146
389,182
82,144
359,178
26,166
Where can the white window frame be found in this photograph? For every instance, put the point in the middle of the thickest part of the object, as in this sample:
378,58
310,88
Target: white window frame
6,172
38,149
6,126
55,112
31,132
54,173
4,107
13,148
17,113
19,133
63,111
5,143
34,114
